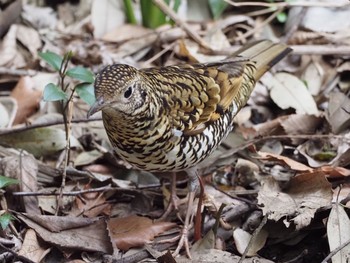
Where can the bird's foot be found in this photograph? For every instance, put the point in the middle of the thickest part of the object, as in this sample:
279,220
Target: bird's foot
183,243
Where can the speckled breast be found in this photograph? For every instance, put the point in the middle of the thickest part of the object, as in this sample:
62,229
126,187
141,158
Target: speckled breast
166,149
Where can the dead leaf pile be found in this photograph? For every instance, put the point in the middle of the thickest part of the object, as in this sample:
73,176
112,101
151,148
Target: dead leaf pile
278,182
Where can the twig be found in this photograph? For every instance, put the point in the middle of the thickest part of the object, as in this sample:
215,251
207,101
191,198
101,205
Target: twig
299,50
16,255
335,251
254,235
260,26
159,54
169,12
297,20
289,4
25,127
71,193
17,72
280,137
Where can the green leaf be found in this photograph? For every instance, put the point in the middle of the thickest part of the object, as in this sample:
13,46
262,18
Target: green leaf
282,17
6,181
5,220
53,93
52,59
129,12
81,73
86,92
217,7
152,16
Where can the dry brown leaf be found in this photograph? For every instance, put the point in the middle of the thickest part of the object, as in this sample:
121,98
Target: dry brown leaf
28,99
336,113
8,109
338,228
126,32
10,57
242,239
135,231
105,16
300,124
71,232
25,169
331,171
31,247
29,38
91,205
306,193
294,165
287,91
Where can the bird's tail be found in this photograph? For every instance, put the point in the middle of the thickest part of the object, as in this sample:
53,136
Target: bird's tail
264,53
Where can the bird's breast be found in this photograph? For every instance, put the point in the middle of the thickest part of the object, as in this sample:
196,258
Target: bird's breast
160,147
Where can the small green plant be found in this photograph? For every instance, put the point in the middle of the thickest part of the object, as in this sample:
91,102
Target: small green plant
61,92
152,16
5,217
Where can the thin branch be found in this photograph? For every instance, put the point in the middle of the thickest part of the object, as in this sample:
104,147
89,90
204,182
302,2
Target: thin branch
281,137
25,127
260,26
169,12
289,4
17,72
16,255
252,239
335,251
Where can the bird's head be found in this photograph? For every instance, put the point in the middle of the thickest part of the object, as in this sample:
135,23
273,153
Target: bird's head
120,88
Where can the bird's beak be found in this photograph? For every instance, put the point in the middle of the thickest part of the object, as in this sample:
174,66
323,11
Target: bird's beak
97,106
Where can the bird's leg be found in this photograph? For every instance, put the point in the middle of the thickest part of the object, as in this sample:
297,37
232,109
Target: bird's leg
173,198
193,186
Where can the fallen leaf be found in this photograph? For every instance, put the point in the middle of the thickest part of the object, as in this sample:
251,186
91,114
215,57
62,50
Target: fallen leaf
336,113
29,38
306,193
39,142
294,165
25,169
27,97
8,110
287,91
135,231
10,57
71,232
31,247
338,229
105,16
242,239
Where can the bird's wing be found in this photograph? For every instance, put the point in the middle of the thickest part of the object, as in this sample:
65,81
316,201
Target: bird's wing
199,94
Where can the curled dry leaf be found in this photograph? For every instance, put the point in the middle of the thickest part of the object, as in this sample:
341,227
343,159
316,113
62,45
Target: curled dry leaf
294,165
135,231
287,91
306,193
336,113
31,247
338,229
25,170
10,57
40,142
28,98
242,239
70,232
8,110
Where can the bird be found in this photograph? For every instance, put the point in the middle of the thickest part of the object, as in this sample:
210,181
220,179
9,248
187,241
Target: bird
169,119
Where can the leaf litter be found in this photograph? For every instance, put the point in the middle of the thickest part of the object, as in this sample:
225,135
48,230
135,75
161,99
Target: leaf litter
284,161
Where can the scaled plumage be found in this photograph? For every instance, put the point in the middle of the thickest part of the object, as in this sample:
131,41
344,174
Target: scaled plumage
171,118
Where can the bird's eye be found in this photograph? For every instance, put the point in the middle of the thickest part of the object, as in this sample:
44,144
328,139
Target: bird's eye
127,93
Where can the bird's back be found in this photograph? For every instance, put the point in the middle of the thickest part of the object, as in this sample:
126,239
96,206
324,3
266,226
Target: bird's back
193,111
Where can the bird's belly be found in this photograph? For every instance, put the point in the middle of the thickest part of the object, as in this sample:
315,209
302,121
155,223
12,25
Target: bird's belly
178,153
